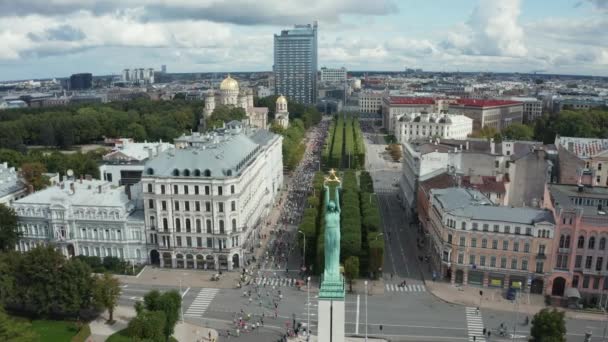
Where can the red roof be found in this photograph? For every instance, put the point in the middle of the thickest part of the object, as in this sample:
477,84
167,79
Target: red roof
485,103
411,100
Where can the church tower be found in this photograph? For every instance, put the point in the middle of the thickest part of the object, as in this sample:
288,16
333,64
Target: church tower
281,115
209,104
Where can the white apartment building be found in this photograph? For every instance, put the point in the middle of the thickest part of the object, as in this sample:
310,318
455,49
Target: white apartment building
395,106
85,217
206,200
11,187
432,125
333,75
371,101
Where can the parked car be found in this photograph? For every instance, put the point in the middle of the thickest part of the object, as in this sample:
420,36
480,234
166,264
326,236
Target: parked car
511,293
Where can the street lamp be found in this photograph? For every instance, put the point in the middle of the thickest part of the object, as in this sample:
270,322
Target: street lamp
366,311
303,247
308,294
181,293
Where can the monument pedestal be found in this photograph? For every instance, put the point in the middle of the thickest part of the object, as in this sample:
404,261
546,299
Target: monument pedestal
331,311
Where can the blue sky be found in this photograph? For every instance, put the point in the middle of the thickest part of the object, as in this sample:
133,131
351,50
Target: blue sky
54,38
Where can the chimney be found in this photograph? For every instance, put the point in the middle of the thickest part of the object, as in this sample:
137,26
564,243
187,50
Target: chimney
492,146
150,153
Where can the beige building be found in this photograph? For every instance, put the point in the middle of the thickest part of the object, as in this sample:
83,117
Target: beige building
473,241
371,101
497,114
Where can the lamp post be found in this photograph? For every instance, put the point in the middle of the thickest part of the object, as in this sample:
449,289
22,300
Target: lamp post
308,294
303,248
366,311
181,293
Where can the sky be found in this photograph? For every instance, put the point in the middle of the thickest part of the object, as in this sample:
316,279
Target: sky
56,38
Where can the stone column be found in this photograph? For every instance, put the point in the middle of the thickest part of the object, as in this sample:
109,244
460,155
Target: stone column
465,277
216,262
173,261
195,264
162,261
453,276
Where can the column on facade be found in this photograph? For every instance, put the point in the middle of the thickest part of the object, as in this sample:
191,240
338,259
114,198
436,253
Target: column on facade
162,261
506,281
195,266
465,277
173,261
486,279
453,276
216,262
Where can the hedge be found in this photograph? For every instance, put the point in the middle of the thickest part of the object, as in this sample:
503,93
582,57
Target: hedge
359,144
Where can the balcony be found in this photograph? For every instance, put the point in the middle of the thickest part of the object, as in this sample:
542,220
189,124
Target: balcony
564,250
541,256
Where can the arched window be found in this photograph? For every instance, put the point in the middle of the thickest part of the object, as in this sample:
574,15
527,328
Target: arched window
186,173
188,227
209,228
234,225
178,225
198,226
165,224
222,230
197,173
591,244
207,173
581,242
562,240
150,171
602,243
176,172
567,244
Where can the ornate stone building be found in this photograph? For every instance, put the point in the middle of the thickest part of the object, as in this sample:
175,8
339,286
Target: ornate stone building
230,94
281,115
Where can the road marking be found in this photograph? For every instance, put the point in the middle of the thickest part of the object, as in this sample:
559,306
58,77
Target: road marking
188,289
357,319
201,302
474,324
124,286
140,272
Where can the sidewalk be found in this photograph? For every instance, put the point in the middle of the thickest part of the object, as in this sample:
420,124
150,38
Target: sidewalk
494,299
185,332
190,278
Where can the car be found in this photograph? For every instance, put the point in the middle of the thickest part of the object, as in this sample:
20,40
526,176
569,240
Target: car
511,293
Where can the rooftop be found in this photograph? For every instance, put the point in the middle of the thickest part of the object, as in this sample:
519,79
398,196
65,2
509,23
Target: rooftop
474,205
400,100
95,193
485,103
137,151
582,147
571,196
9,180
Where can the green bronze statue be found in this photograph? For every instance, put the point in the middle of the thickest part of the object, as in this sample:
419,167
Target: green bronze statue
332,228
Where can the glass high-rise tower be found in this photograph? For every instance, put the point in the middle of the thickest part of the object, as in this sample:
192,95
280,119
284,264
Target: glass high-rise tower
295,63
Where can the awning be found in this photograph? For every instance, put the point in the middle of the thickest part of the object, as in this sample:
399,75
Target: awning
571,292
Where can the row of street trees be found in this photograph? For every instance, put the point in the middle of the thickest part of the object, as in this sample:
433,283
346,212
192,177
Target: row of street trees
344,146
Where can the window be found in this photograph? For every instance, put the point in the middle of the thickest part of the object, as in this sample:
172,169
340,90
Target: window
496,228
591,243
529,231
515,246
176,205
567,244
165,224
232,189
461,258
220,191
151,204
463,225
539,266
482,260
588,262
197,206
586,282
233,206
602,244
152,222
562,240
209,227
541,249
503,262
484,243
199,242
185,189
474,242
599,166
188,227
493,261
198,226
188,241
234,225
162,189
462,241
207,190
187,205
527,247
517,230
178,225
514,263
209,242
150,188
575,280
494,244
507,229
175,190
472,259
581,242
578,261
178,241
222,230
196,191
163,205
486,227
505,245
475,225
524,265
598,263
207,206
496,164
220,207
596,281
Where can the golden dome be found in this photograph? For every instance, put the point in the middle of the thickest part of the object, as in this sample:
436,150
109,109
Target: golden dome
230,84
281,100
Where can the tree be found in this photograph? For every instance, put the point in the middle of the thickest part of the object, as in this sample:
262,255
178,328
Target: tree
548,326
351,270
148,326
486,132
169,303
9,235
518,131
395,151
107,291
15,331
33,173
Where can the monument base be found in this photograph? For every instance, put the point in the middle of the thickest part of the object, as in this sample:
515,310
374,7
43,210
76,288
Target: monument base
331,320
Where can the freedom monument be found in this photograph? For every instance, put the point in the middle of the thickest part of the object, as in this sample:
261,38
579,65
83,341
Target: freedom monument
331,295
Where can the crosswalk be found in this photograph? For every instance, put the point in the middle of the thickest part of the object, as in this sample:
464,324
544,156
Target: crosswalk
270,281
474,325
405,288
201,303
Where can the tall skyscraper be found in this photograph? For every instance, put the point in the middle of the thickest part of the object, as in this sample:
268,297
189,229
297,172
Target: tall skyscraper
295,63
81,81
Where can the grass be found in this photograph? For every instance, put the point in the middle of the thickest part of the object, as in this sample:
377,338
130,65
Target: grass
52,331
120,336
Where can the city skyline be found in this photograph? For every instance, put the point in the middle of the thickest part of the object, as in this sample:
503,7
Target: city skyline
57,38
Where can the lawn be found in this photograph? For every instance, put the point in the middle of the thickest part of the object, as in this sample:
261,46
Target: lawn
120,336
54,330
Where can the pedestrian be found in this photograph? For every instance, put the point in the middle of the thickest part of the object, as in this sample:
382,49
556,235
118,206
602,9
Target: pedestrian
477,311
209,335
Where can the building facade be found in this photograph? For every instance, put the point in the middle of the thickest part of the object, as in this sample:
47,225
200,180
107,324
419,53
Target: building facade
82,81
371,101
85,217
582,161
533,108
473,241
11,186
333,75
580,257
206,200
497,114
295,63
395,106
425,125
281,115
